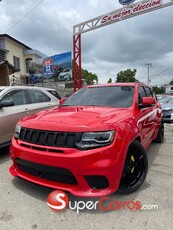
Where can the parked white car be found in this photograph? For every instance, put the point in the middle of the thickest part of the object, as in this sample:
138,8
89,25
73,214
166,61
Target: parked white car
65,75
20,101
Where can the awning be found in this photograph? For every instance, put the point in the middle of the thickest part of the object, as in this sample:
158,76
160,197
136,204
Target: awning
11,68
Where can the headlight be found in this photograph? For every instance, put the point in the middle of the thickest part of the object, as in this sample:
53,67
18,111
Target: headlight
17,131
95,140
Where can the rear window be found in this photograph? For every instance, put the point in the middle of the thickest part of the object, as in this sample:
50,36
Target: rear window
54,93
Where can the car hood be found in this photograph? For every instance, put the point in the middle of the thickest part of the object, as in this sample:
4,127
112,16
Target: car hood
167,106
76,118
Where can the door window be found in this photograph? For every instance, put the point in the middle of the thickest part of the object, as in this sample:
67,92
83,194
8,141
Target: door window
18,97
148,92
141,94
37,96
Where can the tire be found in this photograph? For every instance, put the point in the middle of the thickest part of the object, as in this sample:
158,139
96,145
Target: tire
160,135
135,168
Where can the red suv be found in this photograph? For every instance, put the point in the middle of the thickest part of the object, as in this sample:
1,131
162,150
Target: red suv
92,144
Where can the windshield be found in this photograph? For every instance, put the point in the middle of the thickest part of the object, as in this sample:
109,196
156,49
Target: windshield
171,101
166,99
110,96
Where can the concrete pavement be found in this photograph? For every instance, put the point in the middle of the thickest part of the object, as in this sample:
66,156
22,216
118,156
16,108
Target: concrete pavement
23,205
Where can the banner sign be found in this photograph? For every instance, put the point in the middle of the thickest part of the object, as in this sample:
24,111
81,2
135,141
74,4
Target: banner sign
133,9
126,2
51,69
58,67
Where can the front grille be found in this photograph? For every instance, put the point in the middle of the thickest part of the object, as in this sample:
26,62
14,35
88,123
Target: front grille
97,182
49,138
57,174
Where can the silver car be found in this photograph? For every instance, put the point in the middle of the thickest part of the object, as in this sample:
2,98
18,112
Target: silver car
20,101
167,109
165,99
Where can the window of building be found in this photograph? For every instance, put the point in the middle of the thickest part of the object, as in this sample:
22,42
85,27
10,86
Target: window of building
16,62
2,56
27,63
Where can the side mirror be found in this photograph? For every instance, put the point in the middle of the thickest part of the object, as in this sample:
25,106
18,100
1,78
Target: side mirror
61,101
6,103
147,102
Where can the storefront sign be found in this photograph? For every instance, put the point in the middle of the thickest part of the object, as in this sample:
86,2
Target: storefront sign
131,10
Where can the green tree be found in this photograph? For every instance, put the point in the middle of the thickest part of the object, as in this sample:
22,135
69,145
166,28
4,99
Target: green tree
171,82
110,80
126,76
159,90
90,77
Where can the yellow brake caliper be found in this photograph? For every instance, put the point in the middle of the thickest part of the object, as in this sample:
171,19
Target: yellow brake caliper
132,159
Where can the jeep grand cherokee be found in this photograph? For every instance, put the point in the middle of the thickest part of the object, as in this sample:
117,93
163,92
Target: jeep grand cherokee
93,144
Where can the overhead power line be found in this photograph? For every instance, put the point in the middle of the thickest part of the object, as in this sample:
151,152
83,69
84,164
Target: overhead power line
166,69
24,15
157,74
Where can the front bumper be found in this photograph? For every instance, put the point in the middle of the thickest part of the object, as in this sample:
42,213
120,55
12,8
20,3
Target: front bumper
89,173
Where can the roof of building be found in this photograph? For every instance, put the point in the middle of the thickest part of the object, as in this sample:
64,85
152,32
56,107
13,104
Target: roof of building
35,52
15,40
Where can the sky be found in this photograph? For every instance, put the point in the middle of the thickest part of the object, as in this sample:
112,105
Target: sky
47,25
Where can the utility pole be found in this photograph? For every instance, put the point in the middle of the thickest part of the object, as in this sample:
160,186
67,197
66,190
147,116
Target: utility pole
148,75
